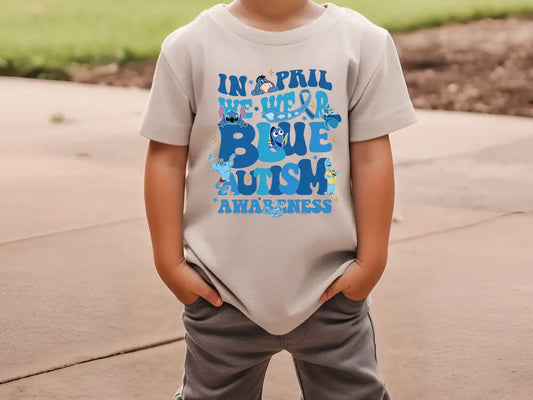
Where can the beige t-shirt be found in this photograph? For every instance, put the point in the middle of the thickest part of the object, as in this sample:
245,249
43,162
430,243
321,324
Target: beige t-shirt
268,117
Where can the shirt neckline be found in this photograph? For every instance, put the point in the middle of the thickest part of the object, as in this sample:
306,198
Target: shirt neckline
228,21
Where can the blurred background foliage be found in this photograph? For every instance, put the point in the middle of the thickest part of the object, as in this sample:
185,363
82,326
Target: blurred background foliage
39,38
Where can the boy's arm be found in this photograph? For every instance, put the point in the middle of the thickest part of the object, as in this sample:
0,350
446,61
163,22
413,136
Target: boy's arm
372,175
164,188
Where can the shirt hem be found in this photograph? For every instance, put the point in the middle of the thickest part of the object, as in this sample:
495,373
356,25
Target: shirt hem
162,133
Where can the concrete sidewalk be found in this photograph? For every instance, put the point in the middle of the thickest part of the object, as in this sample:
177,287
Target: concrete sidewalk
85,316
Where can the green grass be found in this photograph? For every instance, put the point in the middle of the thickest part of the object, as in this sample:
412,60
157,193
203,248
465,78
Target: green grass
39,38
406,15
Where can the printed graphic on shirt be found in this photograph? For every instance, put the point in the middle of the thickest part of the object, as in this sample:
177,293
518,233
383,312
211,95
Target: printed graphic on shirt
293,139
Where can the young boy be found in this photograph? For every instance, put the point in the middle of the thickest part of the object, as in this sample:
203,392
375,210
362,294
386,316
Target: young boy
274,116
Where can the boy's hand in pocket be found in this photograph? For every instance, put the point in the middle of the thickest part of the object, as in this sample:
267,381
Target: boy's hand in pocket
187,285
356,283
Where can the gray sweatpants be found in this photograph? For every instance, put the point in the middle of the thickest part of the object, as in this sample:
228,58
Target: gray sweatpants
334,353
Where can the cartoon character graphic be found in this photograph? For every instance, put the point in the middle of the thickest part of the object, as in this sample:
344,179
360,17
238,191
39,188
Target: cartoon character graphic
263,85
331,118
275,210
277,138
224,169
331,176
231,117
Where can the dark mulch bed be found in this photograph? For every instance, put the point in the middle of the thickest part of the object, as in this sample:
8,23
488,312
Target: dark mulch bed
481,66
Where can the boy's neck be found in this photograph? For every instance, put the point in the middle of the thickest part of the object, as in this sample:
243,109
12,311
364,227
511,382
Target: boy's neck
280,14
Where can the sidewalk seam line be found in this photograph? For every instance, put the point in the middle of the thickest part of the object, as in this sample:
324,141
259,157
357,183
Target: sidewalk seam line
452,228
81,228
116,353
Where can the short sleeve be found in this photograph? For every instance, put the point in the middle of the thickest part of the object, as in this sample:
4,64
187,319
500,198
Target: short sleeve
380,103
168,115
